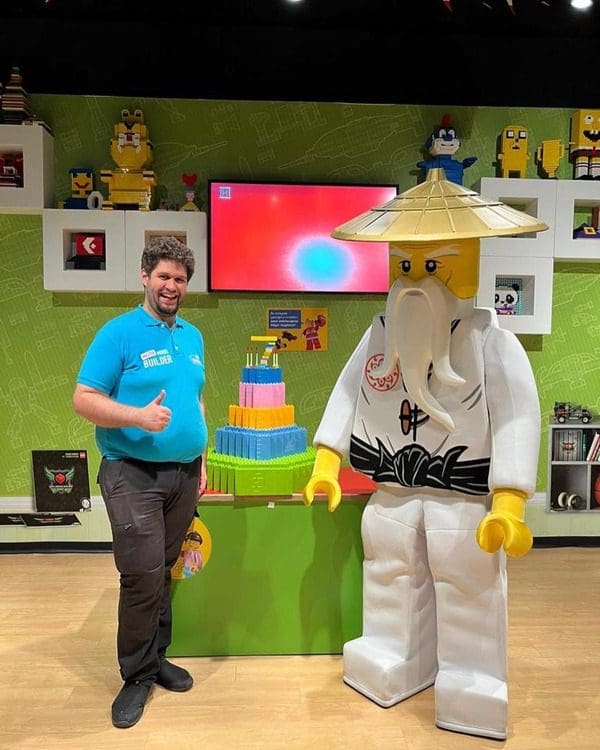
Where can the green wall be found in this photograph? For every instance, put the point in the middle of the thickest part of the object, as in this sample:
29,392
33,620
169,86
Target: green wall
43,335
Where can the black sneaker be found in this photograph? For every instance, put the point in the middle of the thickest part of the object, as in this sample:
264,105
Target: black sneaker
128,706
172,677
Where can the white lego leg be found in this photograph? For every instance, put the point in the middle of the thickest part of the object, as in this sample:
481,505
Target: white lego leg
471,595
396,655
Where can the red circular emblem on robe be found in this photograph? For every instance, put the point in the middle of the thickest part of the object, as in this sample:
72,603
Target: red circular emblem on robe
377,383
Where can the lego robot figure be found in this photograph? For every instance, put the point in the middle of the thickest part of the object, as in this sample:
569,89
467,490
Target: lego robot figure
438,405
442,144
584,145
549,155
130,186
514,151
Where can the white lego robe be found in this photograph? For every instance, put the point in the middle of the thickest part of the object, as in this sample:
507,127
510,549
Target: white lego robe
434,603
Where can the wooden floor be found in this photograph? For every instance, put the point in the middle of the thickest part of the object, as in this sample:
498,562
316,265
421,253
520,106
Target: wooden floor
58,675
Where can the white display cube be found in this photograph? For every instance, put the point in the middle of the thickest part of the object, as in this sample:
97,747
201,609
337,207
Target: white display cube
577,198
534,197
187,226
36,147
534,278
60,226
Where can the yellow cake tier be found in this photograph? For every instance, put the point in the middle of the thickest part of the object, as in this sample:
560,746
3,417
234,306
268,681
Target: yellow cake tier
260,419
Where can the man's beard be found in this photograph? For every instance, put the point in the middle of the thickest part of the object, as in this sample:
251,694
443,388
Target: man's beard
418,320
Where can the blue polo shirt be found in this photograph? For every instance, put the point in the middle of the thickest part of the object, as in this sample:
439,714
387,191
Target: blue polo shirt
131,359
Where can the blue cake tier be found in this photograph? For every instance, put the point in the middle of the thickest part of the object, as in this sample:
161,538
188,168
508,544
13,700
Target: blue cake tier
260,445
262,375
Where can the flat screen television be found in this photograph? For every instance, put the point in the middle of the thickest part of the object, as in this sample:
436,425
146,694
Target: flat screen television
276,237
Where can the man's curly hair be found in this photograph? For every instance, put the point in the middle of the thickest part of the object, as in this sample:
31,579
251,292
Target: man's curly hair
167,248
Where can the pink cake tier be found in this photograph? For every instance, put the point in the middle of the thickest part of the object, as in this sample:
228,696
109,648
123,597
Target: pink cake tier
261,395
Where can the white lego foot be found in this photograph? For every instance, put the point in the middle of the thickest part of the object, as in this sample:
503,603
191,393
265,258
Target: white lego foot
374,668
471,703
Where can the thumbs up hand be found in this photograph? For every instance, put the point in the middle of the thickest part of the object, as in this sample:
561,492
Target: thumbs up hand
154,417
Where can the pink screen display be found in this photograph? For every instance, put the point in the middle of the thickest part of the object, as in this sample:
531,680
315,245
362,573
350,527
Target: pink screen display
277,238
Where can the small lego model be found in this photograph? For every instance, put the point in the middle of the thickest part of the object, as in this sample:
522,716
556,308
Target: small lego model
586,231
130,186
548,157
82,185
11,169
506,299
513,153
568,501
442,144
88,252
566,411
189,180
584,144
16,105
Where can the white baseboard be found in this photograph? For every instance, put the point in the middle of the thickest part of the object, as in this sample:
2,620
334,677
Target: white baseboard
27,504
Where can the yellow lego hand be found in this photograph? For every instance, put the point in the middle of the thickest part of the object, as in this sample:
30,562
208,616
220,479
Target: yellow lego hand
504,525
325,478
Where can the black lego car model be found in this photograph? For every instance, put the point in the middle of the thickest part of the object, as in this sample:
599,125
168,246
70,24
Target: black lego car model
565,411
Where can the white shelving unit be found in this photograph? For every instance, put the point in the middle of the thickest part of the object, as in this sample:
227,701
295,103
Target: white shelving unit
534,197
59,226
534,278
576,198
35,145
526,260
573,482
125,234
187,226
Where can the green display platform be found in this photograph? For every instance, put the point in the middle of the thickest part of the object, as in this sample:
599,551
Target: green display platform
285,579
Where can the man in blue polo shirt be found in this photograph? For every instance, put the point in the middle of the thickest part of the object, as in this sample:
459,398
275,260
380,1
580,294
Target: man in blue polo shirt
141,384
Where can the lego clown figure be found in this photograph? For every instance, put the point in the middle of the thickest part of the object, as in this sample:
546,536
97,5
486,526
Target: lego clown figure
437,405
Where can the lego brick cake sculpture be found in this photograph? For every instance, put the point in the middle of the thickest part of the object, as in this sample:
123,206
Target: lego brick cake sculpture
261,451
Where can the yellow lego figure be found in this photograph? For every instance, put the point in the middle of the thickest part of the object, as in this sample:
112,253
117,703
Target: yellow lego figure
548,156
513,155
584,145
130,186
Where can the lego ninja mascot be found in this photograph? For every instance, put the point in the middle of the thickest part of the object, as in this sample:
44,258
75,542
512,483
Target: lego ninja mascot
439,406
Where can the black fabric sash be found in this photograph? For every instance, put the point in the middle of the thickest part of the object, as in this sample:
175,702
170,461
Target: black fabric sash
414,466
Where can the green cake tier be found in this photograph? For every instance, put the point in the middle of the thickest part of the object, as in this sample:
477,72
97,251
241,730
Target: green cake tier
243,476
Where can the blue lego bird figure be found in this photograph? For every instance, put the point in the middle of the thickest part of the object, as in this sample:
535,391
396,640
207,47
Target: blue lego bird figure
442,144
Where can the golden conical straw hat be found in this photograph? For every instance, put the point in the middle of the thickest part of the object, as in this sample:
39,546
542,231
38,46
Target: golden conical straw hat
436,210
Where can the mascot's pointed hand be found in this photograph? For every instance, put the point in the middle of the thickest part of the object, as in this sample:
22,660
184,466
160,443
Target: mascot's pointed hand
504,526
325,478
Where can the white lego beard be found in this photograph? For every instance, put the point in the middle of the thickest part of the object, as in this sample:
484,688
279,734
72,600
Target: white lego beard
418,335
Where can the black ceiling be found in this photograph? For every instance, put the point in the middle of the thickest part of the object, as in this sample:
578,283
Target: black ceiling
396,51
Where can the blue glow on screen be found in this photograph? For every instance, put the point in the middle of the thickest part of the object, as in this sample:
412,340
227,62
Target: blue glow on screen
321,262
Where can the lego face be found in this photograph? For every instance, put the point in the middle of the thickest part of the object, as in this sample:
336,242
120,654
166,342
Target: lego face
82,181
585,128
444,141
506,299
130,147
454,263
514,137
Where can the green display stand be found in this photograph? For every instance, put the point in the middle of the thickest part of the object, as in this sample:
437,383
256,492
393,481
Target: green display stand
282,579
